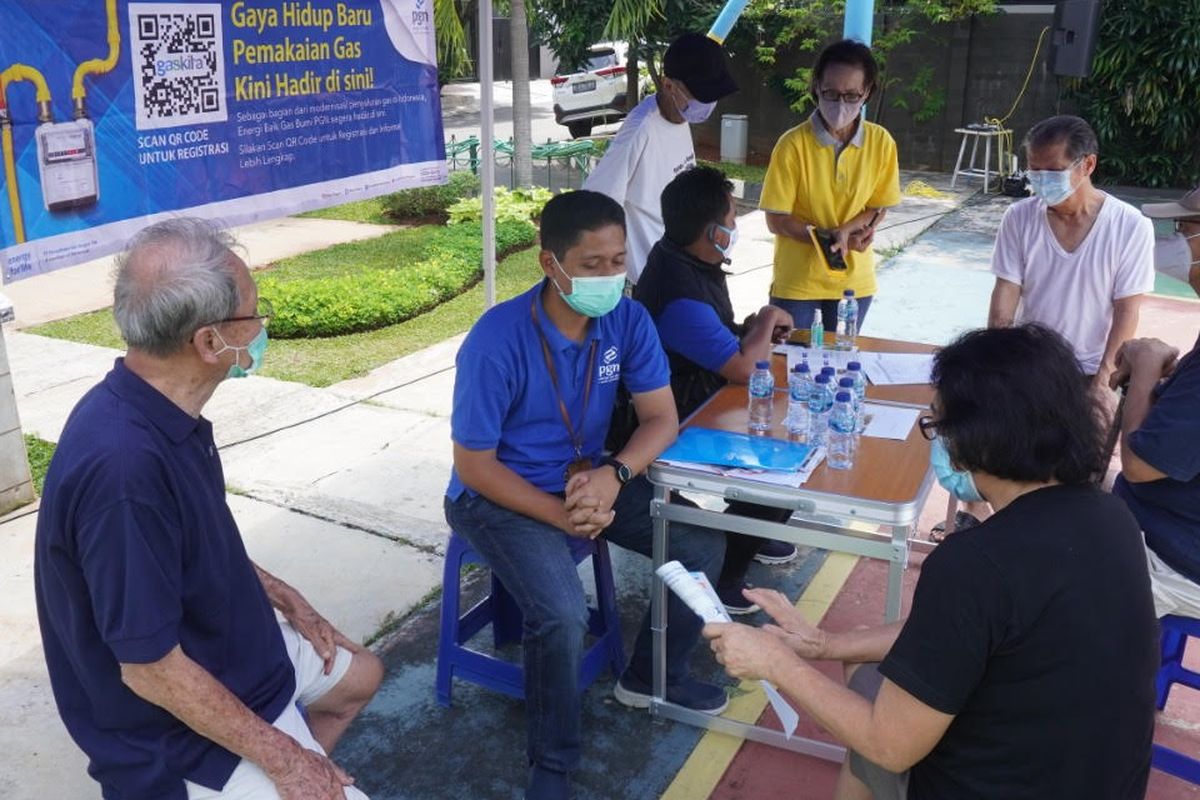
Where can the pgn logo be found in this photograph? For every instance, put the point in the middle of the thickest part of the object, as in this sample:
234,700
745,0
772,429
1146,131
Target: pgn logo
610,355
420,17
610,370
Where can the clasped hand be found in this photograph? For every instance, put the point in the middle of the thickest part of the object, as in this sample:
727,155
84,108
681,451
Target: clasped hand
589,502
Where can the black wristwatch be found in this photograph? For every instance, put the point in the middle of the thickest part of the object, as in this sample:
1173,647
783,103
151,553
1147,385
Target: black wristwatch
624,473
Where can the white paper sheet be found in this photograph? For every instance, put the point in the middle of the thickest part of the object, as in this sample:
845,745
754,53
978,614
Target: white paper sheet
694,589
889,422
884,369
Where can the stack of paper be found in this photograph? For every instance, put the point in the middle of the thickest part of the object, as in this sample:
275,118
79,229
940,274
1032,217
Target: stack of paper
888,421
896,368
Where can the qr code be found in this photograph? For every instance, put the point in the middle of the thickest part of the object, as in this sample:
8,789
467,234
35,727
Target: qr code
178,64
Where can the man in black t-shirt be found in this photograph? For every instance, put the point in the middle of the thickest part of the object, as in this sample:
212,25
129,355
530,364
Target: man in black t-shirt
1026,667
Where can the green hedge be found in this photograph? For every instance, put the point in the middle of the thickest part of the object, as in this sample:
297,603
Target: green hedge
430,201
380,295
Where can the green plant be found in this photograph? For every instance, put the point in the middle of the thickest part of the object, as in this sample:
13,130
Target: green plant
1143,97
917,97
426,202
40,452
382,293
516,205
769,28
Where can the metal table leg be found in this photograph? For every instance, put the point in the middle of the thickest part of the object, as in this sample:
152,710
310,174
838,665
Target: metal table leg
658,601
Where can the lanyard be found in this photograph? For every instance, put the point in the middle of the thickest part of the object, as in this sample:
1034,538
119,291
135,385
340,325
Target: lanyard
576,436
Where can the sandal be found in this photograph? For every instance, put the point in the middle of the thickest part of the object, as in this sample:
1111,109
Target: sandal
962,521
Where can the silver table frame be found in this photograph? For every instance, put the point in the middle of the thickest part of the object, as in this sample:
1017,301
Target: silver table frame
822,523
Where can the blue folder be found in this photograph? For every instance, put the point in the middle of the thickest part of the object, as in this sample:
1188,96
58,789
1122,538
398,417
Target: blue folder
728,449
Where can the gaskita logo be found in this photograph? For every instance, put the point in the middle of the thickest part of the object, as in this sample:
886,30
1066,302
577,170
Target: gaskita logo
188,63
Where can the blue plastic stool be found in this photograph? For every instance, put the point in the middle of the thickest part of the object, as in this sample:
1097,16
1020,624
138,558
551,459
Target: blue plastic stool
1175,633
457,660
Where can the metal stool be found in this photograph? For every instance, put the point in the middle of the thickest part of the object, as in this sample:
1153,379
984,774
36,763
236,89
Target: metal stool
1175,633
974,133
457,660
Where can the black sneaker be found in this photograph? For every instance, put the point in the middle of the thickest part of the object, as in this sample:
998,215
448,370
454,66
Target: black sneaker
735,602
773,551
707,698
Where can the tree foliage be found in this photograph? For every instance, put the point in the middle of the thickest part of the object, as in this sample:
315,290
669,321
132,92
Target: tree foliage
1143,97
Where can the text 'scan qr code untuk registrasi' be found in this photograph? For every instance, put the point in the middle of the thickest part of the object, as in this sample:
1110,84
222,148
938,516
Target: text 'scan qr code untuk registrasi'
178,64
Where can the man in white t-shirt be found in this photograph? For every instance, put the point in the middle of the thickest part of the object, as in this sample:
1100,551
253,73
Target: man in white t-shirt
1072,257
655,142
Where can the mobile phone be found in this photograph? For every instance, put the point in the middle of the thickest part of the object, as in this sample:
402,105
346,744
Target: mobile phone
824,241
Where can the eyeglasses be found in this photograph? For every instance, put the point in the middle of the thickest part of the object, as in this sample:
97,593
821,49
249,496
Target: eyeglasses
1180,224
263,311
928,426
833,95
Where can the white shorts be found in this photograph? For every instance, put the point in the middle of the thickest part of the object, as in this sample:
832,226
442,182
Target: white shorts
248,781
1173,593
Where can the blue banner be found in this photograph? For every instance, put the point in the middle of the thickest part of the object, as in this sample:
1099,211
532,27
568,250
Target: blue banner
115,113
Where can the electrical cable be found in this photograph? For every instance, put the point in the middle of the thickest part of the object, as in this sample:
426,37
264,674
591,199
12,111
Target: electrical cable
1005,143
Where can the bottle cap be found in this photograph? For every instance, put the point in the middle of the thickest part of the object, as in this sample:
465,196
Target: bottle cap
848,293
762,364
854,366
803,367
830,371
843,397
846,383
822,378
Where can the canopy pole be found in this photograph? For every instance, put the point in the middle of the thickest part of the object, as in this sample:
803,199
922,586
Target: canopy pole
488,161
860,15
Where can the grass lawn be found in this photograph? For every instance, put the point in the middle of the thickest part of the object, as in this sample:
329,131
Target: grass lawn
742,172
358,211
39,452
321,362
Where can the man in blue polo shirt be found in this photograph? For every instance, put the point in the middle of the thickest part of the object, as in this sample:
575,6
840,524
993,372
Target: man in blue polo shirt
683,287
1160,465
167,662
533,396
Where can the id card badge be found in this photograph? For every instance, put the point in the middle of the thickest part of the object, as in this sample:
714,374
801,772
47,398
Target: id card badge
577,466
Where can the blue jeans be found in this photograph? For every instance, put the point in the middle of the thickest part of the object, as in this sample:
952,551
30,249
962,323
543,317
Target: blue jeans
533,561
803,311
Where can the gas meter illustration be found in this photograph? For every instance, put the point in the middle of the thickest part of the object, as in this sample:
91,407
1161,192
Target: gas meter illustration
67,160
66,150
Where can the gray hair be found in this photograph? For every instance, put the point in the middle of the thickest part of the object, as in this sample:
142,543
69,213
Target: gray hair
1073,132
173,278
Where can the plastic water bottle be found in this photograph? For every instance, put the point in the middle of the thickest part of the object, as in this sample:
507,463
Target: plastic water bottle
799,385
847,321
855,371
831,371
816,332
843,441
762,397
846,384
820,403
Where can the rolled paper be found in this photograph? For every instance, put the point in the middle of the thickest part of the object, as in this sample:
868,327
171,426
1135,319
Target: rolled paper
685,587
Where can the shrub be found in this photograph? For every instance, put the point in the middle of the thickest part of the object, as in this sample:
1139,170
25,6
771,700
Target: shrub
376,296
427,202
517,205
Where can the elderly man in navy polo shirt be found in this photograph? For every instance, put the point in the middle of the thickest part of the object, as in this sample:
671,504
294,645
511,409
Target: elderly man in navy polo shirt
533,397
167,661
1160,465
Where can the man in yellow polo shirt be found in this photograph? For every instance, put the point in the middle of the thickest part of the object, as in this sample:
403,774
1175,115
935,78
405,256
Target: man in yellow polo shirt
836,172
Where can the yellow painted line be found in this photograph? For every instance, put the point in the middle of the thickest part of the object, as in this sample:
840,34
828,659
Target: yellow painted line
714,752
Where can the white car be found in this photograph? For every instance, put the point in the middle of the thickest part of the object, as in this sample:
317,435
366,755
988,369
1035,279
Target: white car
594,96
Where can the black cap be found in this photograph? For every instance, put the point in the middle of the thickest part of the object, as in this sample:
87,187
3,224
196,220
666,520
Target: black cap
701,65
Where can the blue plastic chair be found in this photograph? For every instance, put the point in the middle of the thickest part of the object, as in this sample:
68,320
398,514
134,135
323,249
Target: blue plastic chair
457,660
1175,633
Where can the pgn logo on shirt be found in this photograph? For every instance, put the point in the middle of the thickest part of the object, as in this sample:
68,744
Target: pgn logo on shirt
610,370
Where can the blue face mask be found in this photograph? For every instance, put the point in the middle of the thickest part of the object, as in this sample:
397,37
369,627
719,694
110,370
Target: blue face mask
958,483
729,232
1052,185
255,349
592,296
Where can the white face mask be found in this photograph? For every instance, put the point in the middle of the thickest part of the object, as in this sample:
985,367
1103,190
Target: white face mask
1173,256
840,115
